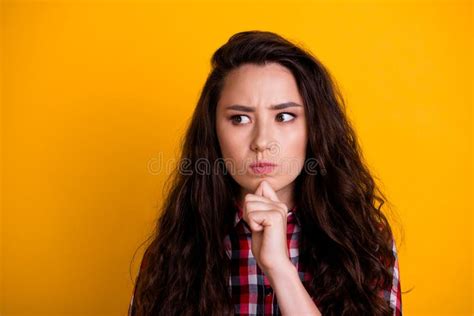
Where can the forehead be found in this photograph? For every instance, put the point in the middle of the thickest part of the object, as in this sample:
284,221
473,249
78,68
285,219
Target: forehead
253,84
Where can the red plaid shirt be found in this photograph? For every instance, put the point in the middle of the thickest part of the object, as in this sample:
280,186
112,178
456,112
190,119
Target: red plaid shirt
251,291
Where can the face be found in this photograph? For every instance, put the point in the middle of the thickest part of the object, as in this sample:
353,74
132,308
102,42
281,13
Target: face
261,118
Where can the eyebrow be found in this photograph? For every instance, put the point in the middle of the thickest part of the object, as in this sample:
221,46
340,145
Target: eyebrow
280,106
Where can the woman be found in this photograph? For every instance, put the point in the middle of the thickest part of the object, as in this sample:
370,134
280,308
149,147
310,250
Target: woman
272,210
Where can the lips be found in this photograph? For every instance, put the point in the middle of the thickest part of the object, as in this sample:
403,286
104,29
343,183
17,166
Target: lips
262,167
262,164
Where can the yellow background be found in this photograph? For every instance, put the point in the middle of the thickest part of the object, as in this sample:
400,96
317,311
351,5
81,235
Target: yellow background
96,92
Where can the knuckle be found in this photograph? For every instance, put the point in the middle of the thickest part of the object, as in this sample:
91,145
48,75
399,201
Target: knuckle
249,206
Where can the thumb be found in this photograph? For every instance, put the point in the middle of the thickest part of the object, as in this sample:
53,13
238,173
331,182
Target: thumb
259,190
268,191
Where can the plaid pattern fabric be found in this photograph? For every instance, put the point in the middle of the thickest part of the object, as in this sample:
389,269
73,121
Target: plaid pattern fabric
250,289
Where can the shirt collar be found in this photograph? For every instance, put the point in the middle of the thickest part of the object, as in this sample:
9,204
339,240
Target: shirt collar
290,219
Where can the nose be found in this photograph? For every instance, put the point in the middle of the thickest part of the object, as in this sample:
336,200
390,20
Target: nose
261,140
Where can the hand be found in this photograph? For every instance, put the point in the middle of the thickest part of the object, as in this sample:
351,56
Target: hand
266,216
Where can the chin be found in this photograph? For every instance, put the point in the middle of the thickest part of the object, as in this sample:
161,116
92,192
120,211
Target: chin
252,182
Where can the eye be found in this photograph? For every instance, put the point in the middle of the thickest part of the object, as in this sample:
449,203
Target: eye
288,115
237,119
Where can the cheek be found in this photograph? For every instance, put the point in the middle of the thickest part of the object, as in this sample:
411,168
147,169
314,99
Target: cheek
296,141
294,154
230,145
233,154
221,137
228,148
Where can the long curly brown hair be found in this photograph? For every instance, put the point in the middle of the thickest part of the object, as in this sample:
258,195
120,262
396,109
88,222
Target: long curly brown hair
346,240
